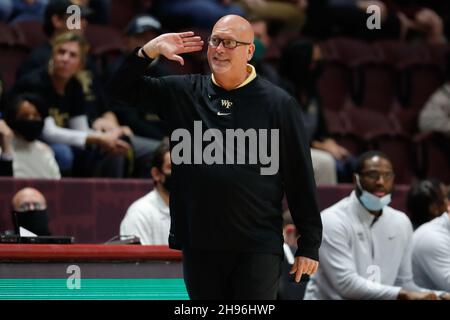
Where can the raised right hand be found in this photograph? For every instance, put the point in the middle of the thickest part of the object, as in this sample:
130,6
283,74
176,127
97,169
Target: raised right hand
171,45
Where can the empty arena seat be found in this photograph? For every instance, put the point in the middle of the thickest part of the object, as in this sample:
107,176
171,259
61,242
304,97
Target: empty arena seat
103,39
434,155
368,124
334,85
420,83
10,60
402,152
8,37
349,51
121,13
31,31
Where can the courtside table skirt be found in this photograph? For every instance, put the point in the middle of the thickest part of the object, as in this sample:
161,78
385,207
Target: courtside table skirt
90,272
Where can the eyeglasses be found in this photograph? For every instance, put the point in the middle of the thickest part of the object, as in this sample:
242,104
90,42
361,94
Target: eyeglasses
30,206
375,175
227,43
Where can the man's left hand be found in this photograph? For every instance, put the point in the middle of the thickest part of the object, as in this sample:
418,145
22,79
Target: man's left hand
303,265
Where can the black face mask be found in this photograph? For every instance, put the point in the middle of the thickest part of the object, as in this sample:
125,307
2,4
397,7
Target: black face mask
29,129
167,184
35,221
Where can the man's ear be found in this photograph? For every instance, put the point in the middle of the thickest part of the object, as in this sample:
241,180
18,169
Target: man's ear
250,51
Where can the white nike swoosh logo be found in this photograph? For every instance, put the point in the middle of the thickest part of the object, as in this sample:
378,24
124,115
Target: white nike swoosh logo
222,114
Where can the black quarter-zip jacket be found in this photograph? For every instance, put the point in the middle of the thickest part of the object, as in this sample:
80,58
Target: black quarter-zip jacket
230,207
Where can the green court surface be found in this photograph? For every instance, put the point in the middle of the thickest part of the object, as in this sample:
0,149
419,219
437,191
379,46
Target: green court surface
93,289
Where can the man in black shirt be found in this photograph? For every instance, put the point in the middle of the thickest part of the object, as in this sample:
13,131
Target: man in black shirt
138,32
226,214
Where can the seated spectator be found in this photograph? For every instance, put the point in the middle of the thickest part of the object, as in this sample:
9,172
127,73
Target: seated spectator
431,253
54,24
149,218
417,19
367,245
6,8
426,200
6,149
435,115
32,158
67,124
29,211
23,10
398,19
144,123
95,103
262,42
300,67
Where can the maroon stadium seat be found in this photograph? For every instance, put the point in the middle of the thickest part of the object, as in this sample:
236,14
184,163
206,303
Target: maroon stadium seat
368,123
122,12
32,32
335,122
9,36
421,81
103,39
402,153
350,52
420,68
10,60
376,87
371,79
407,120
400,54
434,155
334,85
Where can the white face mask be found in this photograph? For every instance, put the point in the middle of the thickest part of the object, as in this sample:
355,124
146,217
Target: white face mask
370,201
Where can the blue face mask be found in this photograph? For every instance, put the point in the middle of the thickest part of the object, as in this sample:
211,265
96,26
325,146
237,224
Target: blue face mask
372,202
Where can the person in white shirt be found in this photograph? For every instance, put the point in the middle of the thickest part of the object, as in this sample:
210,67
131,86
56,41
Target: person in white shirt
149,217
427,199
431,247
31,157
367,245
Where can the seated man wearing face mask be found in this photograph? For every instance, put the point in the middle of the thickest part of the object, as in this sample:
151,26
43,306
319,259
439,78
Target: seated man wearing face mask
367,245
32,158
29,211
149,217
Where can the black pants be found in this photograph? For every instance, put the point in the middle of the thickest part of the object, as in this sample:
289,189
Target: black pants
237,276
